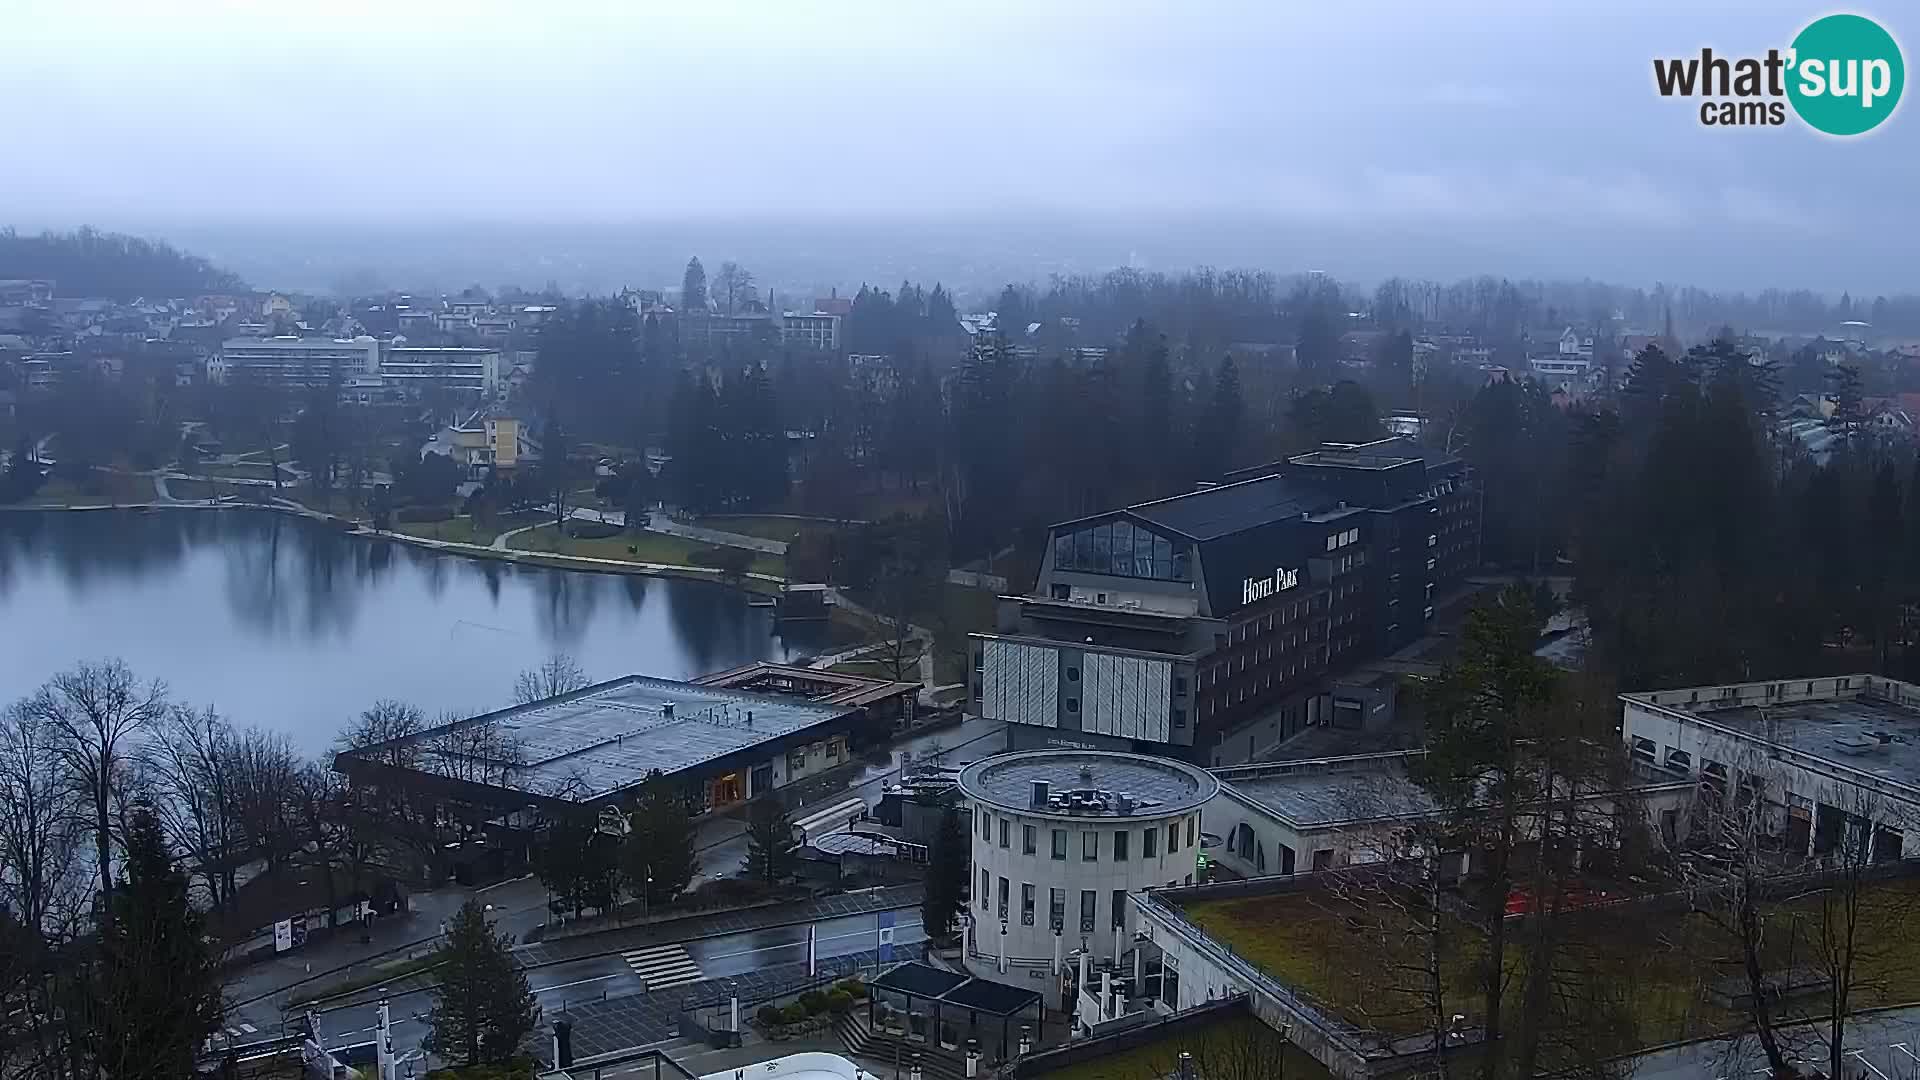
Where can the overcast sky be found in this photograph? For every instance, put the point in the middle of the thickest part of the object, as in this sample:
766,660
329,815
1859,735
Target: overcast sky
1526,131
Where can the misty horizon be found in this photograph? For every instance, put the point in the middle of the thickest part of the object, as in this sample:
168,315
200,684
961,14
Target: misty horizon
999,142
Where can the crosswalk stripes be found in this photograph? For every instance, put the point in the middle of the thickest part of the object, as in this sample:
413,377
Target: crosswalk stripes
663,966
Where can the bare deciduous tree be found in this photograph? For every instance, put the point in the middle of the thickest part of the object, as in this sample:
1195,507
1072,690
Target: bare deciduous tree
558,674
100,712
1855,929
733,283
39,812
263,767
191,759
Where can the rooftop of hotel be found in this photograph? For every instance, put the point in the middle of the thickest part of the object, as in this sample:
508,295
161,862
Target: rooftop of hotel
1088,783
609,736
813,684
1859,722
1329,791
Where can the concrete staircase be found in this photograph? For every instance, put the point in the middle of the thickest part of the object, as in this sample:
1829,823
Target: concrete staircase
880,1047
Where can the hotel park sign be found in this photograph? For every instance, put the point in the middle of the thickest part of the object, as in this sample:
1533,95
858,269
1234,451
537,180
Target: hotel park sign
1262,587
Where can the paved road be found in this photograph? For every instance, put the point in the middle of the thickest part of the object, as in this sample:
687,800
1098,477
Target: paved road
1886,1046
607,977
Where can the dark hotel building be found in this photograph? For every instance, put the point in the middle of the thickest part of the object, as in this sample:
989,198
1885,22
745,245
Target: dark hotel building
1213,625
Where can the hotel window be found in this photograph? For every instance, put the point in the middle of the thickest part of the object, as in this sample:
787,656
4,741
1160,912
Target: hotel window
1057,908
1120,845
1173,838
1003,899
986,825
1119,913
986,890
1149,843
1059,843
1089,902
1029,840
1089,846
1179,717
1026,904
1006,830
1192,824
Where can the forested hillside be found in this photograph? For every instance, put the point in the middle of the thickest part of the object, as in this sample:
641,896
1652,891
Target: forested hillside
88,262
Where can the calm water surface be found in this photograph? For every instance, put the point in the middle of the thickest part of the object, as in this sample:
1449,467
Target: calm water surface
288,624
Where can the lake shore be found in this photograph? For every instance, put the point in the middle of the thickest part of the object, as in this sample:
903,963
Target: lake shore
752,582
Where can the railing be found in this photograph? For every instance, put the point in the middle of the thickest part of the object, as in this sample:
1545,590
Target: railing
663,1066
1349,1037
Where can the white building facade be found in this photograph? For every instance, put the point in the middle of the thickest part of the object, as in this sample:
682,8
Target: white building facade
1060,839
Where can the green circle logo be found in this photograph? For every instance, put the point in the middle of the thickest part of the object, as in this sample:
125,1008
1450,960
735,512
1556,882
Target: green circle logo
1846,75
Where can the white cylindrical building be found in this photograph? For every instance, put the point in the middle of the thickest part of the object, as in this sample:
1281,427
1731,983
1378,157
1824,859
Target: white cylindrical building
1060,837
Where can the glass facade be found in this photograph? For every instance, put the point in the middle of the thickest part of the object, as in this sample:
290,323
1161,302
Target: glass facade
1122,549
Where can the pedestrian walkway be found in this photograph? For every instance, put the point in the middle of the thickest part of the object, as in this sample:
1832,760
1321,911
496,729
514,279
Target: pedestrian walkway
662,523
694,927
623,1023
663,966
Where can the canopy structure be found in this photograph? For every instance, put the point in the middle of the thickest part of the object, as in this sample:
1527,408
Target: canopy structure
951,993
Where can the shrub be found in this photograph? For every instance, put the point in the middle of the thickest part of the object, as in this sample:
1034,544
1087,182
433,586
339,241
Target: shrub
730,891
853,988
769,1016
839,1002
793,1013
814,1002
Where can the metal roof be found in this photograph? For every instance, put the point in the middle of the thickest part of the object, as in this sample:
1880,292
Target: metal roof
1160,787
610,736
1211,513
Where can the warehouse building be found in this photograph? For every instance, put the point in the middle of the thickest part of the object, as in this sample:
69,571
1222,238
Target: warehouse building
1836,759
592,748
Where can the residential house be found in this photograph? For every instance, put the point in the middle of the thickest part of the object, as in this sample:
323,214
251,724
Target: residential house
488,439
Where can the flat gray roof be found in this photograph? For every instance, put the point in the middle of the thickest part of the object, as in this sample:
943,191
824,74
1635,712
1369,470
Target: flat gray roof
1864,723
1316,794
609,736
1846,731
1161,787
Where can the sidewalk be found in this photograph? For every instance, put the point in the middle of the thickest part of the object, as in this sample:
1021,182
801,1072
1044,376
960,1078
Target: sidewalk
335,959
719,923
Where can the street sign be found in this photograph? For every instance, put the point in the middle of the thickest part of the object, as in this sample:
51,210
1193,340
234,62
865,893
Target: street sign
885,924
283,935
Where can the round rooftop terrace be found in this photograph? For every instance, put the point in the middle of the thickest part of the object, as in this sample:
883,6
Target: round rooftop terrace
1087,783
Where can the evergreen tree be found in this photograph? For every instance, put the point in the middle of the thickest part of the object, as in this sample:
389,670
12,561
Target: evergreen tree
1849,417
1885,549
1317,346
1217,438
483,1009
1154,438
693,288
949,861
771,850
1485,722
157,987
578,865
657,856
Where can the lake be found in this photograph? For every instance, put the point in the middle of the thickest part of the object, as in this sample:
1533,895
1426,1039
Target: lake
292,625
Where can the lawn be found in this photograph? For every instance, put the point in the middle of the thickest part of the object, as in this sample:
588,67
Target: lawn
785,530
1233,1047
1641,974
634,547
244,470
464,530
201,490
